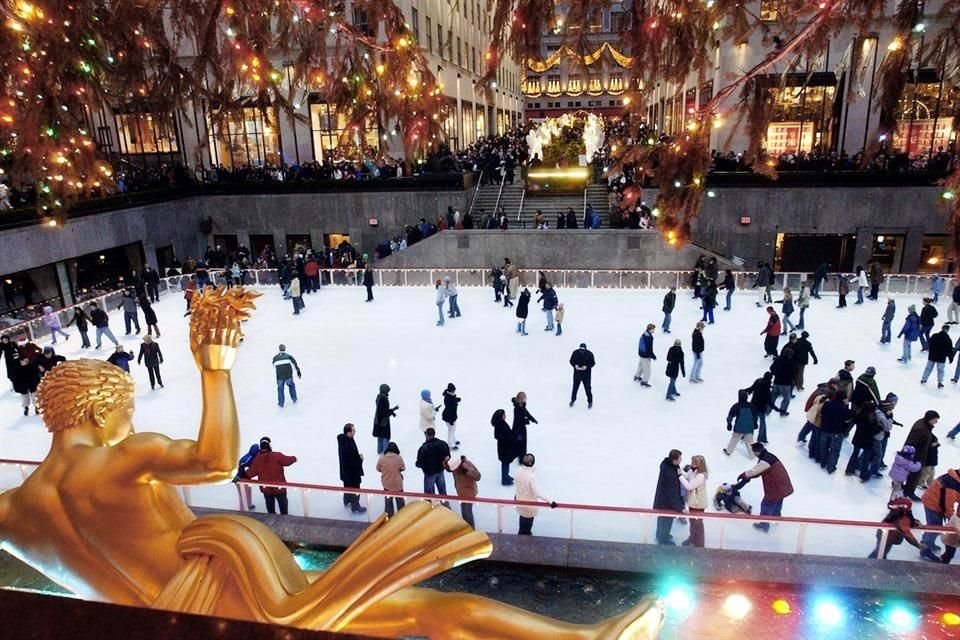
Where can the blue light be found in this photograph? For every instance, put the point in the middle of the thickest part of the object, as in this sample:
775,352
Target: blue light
901,618
678,599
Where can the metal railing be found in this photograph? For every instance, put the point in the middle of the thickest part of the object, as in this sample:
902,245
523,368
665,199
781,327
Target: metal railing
496,207
476,192
897,284
624,524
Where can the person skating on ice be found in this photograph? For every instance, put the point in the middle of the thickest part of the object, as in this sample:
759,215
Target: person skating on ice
669,303
776,483
523,306
451,403
351,467
772,332
506,444
741,422
428,412
549,297
675,368
521,418
440,300
582,361
559,320
150,352
645,357
284,364
381,418
910,333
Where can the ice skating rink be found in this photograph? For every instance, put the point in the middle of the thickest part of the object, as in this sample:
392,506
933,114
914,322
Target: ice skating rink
607,456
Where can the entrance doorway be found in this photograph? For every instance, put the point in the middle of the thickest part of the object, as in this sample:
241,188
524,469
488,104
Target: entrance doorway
259,242
807,251
888,251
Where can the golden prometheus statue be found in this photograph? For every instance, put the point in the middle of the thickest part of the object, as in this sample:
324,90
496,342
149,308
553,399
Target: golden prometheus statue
102,517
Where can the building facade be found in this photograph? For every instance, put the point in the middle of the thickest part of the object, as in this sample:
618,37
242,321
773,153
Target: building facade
453,37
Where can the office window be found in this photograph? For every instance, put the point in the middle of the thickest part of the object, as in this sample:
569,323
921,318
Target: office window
245,136
440,39
362,21
619,21
450,44
769,10
330,132
473,59
146,133
459,55
429,35
415,23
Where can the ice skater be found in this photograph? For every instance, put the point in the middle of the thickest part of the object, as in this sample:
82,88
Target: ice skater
787,308
368,281
941,350
910,333
549,297
52,321
669,303
129,305
453,307
729,285
582,361
887,319
440,300
646,357
772,332
150,351
675,368
284,365
149,316
803,302
862,284
559,321
843,287
697,347
82,321
428,412
741,422
523,306
451,402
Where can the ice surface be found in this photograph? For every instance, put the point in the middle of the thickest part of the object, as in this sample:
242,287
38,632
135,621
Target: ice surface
608,455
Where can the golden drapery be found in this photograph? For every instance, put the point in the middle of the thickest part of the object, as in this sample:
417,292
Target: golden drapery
539,66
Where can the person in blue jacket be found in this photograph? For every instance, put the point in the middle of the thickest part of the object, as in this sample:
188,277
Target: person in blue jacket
549,298
910,332
121,358
242,465
645,352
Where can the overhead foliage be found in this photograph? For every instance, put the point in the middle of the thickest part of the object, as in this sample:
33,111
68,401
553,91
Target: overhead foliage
60,60
669,41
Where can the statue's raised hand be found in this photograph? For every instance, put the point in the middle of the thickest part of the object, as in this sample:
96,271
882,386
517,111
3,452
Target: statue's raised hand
215,325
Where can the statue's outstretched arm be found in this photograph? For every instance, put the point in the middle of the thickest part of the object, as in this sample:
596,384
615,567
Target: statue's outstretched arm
214,337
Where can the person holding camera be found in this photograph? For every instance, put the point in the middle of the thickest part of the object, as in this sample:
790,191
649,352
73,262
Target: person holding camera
528,490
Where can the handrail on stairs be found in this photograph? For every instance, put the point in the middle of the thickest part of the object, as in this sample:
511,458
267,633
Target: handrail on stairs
496,207
476,192
523,195
583,214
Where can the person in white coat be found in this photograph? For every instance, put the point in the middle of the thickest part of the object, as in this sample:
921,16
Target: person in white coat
528,490
694,483
441,298
428,412
861,280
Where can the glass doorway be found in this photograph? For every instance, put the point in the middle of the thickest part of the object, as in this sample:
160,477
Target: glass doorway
888,251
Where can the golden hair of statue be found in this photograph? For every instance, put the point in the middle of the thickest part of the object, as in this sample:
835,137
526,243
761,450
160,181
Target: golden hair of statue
102,517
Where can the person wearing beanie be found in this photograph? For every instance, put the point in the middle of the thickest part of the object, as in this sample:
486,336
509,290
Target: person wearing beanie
887,318
440,300
368,281
582,361
940,350
928,315
242,465
865,390
121,358
523,306
150,351
528,490
432,457
449,415
52,320
267,467
391,467
910,333
381,418
465,477
428,418
284,364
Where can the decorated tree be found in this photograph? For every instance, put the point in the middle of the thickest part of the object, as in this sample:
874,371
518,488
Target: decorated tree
673,40
62,59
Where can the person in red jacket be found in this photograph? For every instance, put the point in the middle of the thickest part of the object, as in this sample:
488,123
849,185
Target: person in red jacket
772,332
776,483
311,269
268,467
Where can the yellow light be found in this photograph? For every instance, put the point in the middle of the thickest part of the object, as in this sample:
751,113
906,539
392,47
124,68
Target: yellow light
52,223
412,81
14,25
894,45
933,260
581,173
626,100
951,619
781,607
380,69
402,43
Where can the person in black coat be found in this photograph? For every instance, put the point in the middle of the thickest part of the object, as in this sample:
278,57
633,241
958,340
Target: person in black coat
150,352
506,445
48,360
761,398
26,377
351,467
449,415
675,367
697,347
521,418
368,282
864,436
784,372
82,320
802,352
927,316
149,316
523,306
940,350
151,278
9,349
381,419
582,362
667,496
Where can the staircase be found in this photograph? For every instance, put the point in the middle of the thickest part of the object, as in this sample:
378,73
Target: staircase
521,208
